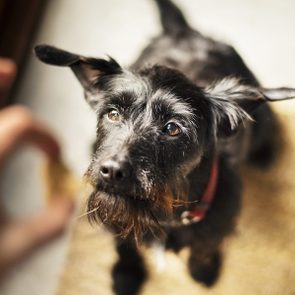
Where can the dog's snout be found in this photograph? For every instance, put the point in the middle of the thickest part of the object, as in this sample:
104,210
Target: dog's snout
112,170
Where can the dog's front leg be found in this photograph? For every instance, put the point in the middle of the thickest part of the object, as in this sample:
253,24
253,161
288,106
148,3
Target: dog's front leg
204,263
129,271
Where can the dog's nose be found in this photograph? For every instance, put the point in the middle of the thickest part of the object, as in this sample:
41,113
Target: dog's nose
112,170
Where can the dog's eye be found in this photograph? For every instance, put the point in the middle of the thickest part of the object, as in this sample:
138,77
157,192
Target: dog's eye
172,129
114,116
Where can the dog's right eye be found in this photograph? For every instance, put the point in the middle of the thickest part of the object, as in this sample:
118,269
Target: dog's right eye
114,116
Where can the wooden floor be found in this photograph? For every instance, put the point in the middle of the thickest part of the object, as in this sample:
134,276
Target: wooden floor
259,257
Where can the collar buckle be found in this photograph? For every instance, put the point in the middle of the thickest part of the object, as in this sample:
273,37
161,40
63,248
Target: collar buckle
189,217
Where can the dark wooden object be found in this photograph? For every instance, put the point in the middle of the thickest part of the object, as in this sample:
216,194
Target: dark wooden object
19,20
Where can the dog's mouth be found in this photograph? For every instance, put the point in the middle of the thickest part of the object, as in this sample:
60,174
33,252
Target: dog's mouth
128,214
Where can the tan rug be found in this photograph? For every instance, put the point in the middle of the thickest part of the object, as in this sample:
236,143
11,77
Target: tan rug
259,258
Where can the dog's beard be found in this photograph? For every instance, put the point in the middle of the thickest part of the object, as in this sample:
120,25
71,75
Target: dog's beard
136,216
124,216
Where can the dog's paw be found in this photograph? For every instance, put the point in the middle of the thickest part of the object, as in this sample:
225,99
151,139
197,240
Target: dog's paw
208,273
127,279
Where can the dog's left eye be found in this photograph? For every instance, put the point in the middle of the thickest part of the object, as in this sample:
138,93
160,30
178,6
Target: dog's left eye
172,129
114,115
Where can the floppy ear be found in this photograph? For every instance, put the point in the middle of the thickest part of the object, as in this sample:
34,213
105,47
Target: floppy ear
87,70
233,102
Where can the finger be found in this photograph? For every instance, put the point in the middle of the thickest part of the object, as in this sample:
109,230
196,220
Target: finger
17,125
18,240
7,73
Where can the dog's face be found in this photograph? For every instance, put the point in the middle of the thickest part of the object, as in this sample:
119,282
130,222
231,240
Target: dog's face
150,134
153,128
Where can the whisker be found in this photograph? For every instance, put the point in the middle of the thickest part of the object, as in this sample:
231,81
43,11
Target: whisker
87,213
180,203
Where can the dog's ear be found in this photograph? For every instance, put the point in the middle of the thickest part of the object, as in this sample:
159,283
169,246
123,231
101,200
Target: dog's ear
233,102
87,70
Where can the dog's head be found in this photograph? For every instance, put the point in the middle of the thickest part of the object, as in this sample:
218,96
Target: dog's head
153,128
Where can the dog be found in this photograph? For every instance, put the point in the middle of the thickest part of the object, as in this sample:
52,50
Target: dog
172,132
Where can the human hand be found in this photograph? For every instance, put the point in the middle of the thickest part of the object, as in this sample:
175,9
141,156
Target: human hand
18,238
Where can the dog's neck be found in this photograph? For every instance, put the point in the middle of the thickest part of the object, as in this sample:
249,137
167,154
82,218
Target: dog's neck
203,183
199,177
198,208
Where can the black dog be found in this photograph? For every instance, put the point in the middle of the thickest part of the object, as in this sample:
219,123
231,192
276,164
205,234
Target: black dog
169,138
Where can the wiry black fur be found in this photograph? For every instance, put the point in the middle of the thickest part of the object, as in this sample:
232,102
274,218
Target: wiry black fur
129,272
139,173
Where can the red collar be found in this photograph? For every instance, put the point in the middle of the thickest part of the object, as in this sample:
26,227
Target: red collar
200,209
